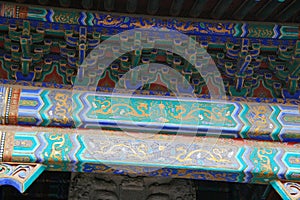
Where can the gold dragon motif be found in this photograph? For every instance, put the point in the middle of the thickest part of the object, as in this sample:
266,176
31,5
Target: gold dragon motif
61,108
215,155
264,161
108,149
107,108
216,114
259,120
57,147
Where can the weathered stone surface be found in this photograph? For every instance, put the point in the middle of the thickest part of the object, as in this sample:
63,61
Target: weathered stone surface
115,187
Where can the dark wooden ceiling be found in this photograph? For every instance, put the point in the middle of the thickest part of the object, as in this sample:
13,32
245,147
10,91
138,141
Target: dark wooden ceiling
250,10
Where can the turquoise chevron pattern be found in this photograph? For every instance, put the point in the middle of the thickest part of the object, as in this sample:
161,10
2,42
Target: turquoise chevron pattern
120,23
235,119
155,155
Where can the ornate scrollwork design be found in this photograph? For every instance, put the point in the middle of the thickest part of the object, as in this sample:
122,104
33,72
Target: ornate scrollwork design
293,189
19,175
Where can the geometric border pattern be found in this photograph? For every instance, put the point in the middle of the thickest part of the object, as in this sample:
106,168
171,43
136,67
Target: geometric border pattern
116,23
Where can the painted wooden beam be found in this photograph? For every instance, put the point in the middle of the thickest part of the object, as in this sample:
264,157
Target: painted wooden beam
57,107
123,152
72,19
